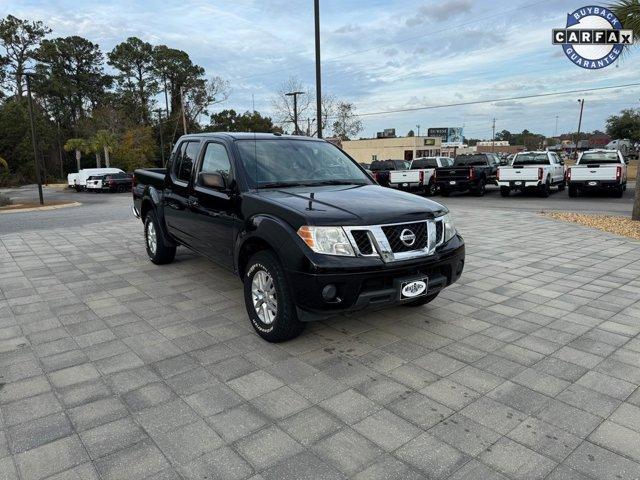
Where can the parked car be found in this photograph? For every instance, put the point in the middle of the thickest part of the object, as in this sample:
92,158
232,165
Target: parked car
597,170
420,175
117,182
472,171
532,170
303,226
80,181
381,168
95,183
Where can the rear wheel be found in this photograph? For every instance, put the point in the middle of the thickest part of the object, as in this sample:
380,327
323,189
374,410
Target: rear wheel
431,189
545,188
618,192
573,191
561,186
159,252
421,301
269,299
481,189
505,191
121,189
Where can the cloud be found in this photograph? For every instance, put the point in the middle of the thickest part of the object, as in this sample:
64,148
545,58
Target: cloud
440,12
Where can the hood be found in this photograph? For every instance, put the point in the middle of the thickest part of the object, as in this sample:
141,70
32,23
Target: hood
352,205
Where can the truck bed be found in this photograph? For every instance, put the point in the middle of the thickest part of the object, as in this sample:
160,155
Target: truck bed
150,176
594,172
519,173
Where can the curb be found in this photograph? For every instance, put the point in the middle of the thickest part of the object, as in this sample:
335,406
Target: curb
46,207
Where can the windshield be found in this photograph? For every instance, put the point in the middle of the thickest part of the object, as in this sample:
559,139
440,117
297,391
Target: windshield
600,157
469,160
531,159
286,162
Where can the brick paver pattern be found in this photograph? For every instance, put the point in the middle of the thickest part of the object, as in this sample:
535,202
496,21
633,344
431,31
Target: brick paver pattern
115,368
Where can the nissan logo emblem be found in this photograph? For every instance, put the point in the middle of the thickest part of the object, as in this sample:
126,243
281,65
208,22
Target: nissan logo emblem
407,237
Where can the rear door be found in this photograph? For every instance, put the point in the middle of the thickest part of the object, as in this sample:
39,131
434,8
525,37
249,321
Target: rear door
176,195
213,211
557,168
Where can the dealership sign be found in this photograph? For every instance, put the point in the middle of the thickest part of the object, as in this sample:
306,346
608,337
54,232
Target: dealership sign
451,136
593,37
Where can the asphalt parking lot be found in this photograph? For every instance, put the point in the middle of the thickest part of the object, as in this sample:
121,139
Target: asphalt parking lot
115,368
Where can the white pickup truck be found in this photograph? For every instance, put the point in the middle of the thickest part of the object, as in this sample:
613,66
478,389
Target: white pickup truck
598,169
420,175
532,170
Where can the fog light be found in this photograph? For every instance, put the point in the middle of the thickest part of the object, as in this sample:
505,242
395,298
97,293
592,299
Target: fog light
329,293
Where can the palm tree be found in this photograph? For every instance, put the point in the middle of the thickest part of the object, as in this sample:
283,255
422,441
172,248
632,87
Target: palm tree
106,141
4,164
628,12
78,145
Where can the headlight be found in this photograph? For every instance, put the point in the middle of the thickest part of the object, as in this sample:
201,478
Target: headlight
327,240
449,227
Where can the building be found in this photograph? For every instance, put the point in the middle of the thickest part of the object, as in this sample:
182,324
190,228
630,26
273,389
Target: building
507,149
392,148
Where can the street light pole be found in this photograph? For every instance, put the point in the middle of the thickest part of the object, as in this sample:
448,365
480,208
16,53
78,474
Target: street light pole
581,100
296,130
316,11
33,136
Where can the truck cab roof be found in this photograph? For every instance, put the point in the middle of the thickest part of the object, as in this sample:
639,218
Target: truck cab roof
246,136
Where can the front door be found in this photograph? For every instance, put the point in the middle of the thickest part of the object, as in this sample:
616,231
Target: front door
213,210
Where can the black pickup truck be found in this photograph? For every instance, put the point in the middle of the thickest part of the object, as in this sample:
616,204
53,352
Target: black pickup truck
469,172
301,223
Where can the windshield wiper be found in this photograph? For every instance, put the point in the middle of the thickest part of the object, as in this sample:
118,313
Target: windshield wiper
339,182
284,184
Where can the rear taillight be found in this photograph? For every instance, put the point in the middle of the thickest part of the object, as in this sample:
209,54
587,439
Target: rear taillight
472,174
540,174
618,173
421,176
568,174
134,181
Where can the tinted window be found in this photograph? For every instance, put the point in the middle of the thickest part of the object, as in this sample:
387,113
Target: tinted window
600,157
216,160
381,165
401,164
470,160
188,159
531,159
424,163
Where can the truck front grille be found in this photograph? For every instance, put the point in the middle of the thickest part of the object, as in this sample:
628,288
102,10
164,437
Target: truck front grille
414,234
439,232
363,242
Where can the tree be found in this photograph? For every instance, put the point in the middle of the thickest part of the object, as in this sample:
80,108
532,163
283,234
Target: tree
201,95
411,133
230,121
77,145
106,141
175,68
628,12
624,125
71,77
136,149
4,164
20,38
137,81
347,124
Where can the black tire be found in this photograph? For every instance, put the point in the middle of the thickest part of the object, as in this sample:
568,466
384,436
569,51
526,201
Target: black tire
421,301
78,188
159,252
121,189
431,189
505,191
618,192
444,192
545,189
481,189
561,186
285,324
573,191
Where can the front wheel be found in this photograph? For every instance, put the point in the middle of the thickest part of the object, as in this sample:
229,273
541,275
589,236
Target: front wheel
158,251
269,299
431,189
421,301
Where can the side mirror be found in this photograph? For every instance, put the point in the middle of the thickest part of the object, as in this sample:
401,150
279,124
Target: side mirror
212,180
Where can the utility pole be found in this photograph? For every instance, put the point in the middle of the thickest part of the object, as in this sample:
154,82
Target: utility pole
418,127
27,77
159,111
296,130
581,100
184,117
316,11
555,132
493,136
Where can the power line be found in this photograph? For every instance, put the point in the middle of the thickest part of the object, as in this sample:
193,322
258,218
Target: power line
405,40
478,102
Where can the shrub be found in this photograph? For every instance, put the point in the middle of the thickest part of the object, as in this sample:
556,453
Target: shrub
4,200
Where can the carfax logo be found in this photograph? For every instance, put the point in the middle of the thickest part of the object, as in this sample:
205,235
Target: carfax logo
593,38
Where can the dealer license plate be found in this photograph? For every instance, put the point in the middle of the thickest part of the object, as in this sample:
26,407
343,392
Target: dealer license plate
413,288
452,182
593,184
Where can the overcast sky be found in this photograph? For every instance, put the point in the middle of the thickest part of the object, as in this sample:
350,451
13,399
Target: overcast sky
380,55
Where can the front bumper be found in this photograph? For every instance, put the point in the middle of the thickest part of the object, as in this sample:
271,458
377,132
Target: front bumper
374,286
